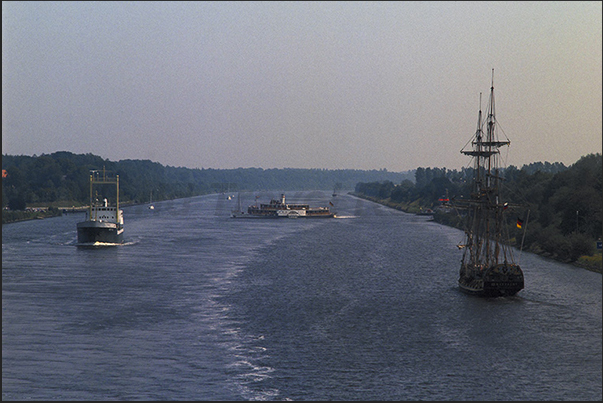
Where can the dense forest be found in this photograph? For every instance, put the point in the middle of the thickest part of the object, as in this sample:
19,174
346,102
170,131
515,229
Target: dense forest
61,179
561,206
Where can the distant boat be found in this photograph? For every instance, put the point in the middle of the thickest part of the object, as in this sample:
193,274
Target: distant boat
487,267
281,209
336,188
104,224
151,207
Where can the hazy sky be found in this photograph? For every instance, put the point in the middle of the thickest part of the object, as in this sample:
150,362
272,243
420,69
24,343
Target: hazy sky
336,85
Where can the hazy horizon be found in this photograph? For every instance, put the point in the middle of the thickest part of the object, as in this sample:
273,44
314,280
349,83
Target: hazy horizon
325,85
287,167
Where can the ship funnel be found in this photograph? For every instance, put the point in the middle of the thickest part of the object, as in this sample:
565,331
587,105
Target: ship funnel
283,198
106,202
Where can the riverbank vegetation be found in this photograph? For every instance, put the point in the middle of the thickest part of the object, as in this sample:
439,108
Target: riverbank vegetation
560,207
61,180
9,216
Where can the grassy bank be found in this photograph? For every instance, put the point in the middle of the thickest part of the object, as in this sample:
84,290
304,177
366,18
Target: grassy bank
592,263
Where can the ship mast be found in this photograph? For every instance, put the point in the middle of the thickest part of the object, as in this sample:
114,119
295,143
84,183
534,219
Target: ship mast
493,182
474,240
485,224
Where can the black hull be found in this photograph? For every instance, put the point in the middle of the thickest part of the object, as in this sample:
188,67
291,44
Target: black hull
492,290
502,280
92,232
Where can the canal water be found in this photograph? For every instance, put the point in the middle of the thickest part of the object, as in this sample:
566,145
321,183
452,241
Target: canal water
199,306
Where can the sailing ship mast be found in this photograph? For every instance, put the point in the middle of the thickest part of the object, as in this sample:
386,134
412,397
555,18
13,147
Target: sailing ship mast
485,222
487,267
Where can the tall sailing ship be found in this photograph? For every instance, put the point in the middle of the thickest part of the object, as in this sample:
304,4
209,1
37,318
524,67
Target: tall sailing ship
488,268
104,223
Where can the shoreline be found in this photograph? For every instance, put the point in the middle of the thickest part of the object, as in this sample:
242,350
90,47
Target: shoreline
590,263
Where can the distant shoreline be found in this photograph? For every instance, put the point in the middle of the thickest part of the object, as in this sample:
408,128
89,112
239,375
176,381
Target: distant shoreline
9,217
42,212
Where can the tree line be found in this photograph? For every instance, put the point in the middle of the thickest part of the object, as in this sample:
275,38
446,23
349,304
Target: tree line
62,179
563,203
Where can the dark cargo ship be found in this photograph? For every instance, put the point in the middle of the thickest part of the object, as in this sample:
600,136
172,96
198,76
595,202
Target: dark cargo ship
104,224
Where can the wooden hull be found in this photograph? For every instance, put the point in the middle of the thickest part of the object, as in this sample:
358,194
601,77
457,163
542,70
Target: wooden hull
502,280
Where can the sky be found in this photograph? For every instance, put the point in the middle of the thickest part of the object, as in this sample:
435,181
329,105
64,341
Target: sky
327,85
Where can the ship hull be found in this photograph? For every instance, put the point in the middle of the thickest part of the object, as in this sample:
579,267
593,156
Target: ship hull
276,216
503,280
96,232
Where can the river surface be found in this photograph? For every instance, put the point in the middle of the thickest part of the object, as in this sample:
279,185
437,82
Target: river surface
199,306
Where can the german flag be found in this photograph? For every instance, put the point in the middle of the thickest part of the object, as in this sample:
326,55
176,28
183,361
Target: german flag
519,223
